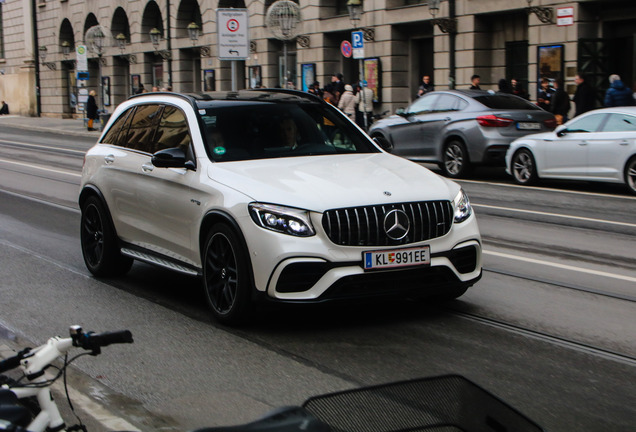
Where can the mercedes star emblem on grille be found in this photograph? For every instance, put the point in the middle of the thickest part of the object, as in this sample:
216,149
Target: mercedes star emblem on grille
396,224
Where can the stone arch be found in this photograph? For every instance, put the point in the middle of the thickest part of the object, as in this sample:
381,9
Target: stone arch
187,13
151,18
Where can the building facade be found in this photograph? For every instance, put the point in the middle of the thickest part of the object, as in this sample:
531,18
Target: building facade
449,40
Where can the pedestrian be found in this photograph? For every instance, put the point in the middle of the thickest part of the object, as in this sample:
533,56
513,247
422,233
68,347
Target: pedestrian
141,89
504,86
314,88
584,96
560,102
517,89
545,95
4,108
617,94
91,110
364,100
426,86
337,87
347,102
475,80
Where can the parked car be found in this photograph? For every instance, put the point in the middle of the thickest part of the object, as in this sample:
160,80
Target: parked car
599,145
458,129
271,195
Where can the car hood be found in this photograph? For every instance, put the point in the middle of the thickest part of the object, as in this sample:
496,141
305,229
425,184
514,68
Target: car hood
320,183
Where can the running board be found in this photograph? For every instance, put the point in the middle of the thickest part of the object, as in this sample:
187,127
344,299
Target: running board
153,259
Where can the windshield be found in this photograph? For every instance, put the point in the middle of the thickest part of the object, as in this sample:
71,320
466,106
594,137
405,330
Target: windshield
505,101
256,130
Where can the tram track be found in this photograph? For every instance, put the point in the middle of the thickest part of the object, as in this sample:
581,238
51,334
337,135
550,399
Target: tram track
562,342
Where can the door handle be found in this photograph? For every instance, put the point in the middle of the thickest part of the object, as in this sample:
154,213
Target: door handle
624,143
447,119
583,143
147,167
109,159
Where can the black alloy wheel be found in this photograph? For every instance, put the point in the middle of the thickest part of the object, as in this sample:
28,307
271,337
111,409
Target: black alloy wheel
630,175
455,162
523,167
99,242
226,277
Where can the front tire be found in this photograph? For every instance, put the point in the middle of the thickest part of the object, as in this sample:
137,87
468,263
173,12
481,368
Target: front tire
226,277
99,241
455,162
523,167
630,175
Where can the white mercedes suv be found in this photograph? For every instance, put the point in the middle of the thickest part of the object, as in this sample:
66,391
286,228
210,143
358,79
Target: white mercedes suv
272,195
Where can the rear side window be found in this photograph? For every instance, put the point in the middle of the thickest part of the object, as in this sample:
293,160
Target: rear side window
505,101
142,128
114,134
172,130
620,123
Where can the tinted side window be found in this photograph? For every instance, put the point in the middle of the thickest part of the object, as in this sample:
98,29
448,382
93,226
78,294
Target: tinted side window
424,104
620,123
172,130
589,123
113,133
142,128
505,101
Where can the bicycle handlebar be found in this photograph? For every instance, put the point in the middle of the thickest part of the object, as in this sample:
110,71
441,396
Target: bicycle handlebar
94,341
14,361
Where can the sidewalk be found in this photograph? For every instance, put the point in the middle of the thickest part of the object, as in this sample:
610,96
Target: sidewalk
47,124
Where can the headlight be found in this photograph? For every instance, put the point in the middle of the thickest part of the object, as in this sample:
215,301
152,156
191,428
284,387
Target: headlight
281,219
463,210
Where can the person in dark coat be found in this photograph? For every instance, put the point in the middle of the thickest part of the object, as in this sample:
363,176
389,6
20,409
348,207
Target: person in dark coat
617,94
475,80
560,102
4,108
544,99
517,89
584,97
91,110
504,86
426,86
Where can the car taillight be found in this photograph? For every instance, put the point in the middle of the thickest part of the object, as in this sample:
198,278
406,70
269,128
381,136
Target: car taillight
550,123
494,121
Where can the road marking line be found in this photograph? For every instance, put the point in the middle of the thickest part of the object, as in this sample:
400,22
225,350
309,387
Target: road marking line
631,225
546,189
41,168
561,266
44,147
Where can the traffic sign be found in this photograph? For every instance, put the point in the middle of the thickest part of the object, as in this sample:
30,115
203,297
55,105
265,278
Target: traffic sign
357,42
233,34
345,48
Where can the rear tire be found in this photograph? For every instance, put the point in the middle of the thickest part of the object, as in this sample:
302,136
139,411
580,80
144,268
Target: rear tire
226,278
99,241
630,175
455,162
523,167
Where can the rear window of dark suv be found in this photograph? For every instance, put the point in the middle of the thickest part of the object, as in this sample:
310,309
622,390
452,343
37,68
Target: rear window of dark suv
503,101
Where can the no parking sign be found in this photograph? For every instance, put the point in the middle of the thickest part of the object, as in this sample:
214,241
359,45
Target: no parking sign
346,49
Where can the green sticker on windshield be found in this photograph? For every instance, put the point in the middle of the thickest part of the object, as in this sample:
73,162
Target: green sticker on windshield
219,151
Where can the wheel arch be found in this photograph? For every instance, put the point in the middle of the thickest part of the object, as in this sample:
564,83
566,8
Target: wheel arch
630,159
218,216
93,191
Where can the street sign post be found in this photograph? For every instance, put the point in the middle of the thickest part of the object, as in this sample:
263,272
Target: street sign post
345,48
357,42
233,34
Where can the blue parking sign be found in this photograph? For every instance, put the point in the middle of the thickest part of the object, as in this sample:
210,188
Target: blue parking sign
357,41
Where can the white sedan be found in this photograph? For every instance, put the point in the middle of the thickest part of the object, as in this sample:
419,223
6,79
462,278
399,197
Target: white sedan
599,145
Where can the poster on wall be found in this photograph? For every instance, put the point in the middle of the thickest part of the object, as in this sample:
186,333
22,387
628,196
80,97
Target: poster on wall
308,71
106,90
209,81
550,63
254,74
135,81
373,77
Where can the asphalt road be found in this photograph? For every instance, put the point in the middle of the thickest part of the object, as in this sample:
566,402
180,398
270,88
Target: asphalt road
550,327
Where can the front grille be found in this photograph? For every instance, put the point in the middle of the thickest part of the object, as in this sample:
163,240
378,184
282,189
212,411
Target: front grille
364,226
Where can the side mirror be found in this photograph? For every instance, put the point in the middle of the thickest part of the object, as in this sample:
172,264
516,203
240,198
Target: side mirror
173,157
561,130
401,112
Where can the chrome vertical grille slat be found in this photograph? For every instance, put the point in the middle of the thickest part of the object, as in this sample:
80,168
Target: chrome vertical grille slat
364,226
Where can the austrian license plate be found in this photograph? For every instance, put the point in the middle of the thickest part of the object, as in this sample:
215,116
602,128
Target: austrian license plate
528,126
386,259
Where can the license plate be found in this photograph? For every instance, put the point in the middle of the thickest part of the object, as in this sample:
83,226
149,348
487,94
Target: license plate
385,259
528,126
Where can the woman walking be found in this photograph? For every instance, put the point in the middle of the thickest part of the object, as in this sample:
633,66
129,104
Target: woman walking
91,110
